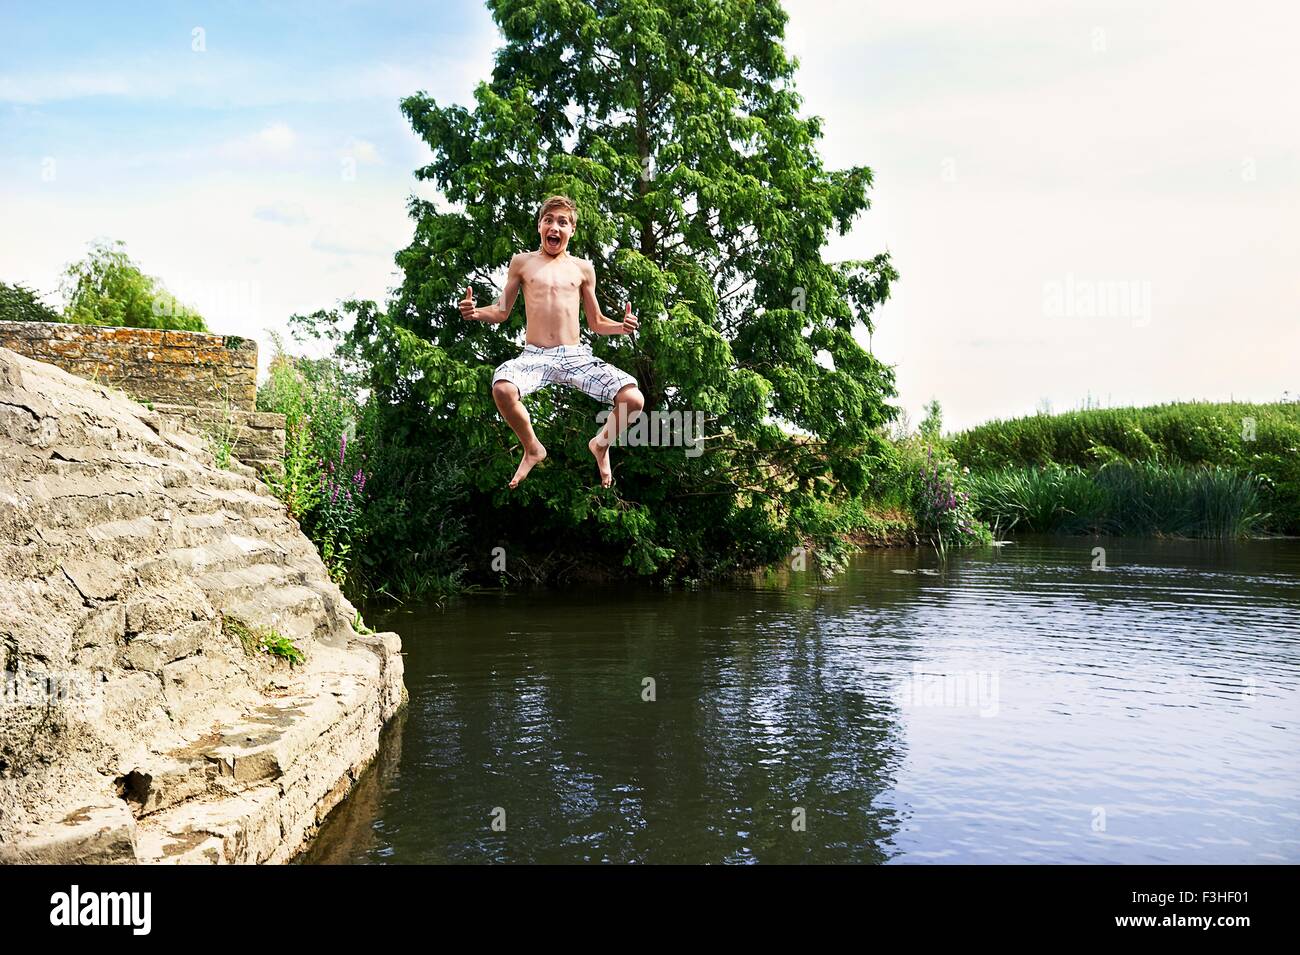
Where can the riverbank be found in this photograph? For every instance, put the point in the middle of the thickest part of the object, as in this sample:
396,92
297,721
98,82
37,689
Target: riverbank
1191,467
183,682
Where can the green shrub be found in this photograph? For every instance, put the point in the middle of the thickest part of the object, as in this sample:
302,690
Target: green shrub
931,427
278,645
287,391
352,474
893,483
220,436
941,507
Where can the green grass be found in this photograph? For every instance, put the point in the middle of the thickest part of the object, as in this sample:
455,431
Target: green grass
220,435
262,640
413,584
278,645
1196,435
1143,498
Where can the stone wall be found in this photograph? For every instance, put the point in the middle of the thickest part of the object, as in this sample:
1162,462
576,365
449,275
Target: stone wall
209,381
178,368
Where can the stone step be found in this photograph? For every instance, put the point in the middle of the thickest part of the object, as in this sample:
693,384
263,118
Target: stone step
268,596
192,540
297,612
248,581
152,650
102,516
227,796
221,550
91,835
246,502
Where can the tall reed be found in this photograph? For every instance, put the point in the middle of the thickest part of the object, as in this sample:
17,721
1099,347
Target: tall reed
1258,439
1142,498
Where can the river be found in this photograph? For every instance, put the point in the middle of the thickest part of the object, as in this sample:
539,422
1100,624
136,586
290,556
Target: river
1014,704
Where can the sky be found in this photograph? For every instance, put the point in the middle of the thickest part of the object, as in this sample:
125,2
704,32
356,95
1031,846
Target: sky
1087,203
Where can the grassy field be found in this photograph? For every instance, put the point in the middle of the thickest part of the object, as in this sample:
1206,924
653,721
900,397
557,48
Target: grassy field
1194,469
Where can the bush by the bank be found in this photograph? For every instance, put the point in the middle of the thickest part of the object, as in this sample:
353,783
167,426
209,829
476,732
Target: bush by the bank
1259,439
925,487
381,511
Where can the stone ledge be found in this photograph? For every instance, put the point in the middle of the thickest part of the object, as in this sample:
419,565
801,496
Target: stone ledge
149,364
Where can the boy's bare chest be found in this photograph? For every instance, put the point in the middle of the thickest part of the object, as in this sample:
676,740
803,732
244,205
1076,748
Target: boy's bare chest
552,278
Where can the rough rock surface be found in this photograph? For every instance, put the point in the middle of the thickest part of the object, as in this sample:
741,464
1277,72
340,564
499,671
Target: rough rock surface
135,726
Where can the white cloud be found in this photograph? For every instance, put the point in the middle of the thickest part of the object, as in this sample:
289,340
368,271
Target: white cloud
364,152
282,213
341,239
43,87
232,82
274,141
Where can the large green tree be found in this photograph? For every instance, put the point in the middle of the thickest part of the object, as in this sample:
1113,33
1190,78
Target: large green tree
675,127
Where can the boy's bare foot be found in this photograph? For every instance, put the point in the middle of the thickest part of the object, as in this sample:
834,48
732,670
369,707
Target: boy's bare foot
532,457
601,452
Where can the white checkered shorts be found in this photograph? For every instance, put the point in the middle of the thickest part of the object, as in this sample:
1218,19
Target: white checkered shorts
571,365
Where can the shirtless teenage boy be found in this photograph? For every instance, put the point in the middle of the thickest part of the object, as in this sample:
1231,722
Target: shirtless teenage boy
555,284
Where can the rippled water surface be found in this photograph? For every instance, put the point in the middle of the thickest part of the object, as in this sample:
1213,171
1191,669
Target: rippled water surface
1014,705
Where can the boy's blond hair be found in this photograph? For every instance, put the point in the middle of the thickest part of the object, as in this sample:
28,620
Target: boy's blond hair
558,202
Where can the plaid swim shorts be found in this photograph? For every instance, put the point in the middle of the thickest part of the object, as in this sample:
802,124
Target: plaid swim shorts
572,365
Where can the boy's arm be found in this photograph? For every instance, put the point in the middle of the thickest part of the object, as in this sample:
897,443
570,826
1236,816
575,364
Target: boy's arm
597,322
499,311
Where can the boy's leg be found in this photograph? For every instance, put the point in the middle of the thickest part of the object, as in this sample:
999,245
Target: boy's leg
512,409
627,404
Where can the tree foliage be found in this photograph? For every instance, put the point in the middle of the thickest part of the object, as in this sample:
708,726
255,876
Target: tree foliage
20,304
675,127
107,288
